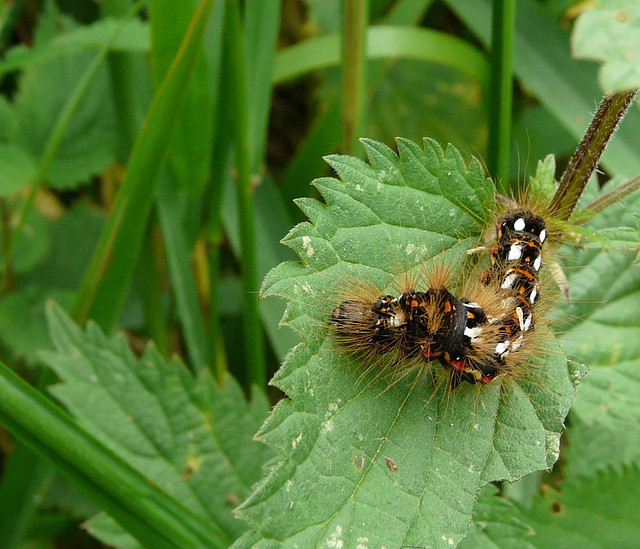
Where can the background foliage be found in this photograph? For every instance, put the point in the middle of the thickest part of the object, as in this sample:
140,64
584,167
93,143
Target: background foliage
150,153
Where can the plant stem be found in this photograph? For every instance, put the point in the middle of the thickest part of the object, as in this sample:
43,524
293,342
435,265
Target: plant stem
501,92
614,196
354,73
253,338
586,157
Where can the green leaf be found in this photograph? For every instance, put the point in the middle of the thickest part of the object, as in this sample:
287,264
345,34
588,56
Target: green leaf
414,95
399,464
623,239
565,87
590,513
610,33
17,167
133,36
596,447
188,436
33,243
106,282
601,324
497,523
87,145
23,326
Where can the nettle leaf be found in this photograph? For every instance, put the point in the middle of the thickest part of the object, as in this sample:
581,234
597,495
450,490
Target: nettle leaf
189,436
610,33
602,325
590,513
497,523
88,143
595,447
363,460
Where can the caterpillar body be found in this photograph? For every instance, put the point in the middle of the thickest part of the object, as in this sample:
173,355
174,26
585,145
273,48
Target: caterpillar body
476,338
492,335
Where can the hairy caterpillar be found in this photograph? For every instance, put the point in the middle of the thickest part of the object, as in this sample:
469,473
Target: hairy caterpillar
476,338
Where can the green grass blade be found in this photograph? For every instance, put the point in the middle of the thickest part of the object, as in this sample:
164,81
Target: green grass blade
22,479
566,88
384,43
181,273
107,279
261,25
190,141
235,70
501,91
154,518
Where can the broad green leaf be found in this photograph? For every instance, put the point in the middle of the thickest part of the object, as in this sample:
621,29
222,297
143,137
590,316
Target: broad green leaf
32,245
133,35
497,523
17,167
87,145
593,447
603,324
415,95
567,88
23,326
610,33
151,515
624,239
400,463
188,436
61,252
590,513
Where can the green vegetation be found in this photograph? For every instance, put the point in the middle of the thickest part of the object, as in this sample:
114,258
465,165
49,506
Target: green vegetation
150,153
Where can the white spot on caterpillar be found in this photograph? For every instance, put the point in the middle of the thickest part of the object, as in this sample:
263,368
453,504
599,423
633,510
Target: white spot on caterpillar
543,235
520,315
519,225
397,320
515,252
534,294
518,343
537,263
502,347
508,281
527,323
473,333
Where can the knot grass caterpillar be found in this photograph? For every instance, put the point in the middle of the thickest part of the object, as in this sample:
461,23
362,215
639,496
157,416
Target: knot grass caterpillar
477,337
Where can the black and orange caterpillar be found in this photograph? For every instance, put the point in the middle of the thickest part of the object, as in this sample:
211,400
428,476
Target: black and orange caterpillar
475,338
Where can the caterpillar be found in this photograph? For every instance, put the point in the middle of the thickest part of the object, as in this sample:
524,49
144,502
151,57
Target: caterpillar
476,337
492,335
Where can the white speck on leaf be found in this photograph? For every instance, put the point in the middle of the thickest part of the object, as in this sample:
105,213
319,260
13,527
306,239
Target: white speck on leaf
334,538
296,441
306,244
